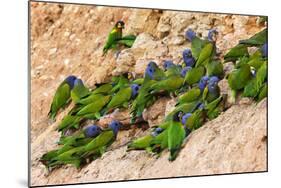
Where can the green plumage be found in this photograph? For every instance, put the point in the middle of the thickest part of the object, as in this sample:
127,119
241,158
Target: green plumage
121,99
114,35
196,120
197,45
185,108
91,110
257,40
190,96
210,96
170,84
60,100
176,135
79,91
238,78
140,143
68,122
194,75
206,54
215,68
236,52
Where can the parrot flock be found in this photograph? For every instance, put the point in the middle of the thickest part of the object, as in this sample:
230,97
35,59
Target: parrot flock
193,83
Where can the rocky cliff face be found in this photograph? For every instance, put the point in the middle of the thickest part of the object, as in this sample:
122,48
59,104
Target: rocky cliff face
68,39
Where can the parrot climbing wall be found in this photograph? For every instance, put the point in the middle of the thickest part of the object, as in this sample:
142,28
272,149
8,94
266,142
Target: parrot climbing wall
68,39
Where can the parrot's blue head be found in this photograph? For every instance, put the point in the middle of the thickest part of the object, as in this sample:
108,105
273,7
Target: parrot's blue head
185,70
185,118
150,69
92,131
264,50
78,82
187,58
213,83
70,80
190,35
203,82
135,90
115,126
168,64
212,35
157,131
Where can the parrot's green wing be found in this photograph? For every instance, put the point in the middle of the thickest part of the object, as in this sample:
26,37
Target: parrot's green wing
190,96
140,143
60,100
205,55
212,108
111,42
94,107
238,78
79,91
127,40
185,108
210,96
197,45
176,135
103,89
160,142
194,75
236,52
263,92
196,120
120,99
69,121
90,99
256,40
170,84
215,68
97,145
138,81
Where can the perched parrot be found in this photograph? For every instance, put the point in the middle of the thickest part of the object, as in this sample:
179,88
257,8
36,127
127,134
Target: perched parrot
92,110
212,91
122,97
171,69
89,99
176,135
79,139
209,50
141,143
238,79
191,95
79,91
214,108
193,120
62,96
144,98
114,35
197,44
102,89
119,82
188,59
194,75
254,86
98,145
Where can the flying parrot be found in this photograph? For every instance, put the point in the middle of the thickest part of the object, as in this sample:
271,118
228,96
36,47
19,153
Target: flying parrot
114,35
62,96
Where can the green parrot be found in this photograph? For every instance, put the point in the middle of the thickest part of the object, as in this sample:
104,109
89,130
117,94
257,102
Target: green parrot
114,35
257,40
102,89
263,93
171,84
176,135
206,54
215,107
62,96
215,68
212,91
98,145
92,110
194,75
238,79
89,99
138,81
197,45
194,120
144,99
255,84
236,52
122,97
81,138
79,91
